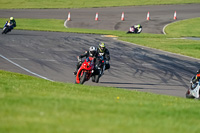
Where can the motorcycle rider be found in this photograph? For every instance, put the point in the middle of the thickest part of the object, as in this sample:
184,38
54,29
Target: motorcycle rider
103,51
135,29
196,77
12,23
138,28
92,52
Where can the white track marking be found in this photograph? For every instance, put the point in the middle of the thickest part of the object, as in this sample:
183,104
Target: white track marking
19,58
24,68
65,23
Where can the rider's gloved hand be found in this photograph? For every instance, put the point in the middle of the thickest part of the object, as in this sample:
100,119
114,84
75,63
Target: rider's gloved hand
79,60
193,85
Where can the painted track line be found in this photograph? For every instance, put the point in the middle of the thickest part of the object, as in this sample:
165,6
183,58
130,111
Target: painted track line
65,23
24,68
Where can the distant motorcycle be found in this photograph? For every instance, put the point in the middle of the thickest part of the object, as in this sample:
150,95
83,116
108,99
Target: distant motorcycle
85,71
134,30
193,91
100,67
7,28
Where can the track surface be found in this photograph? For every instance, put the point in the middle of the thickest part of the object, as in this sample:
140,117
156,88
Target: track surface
53,55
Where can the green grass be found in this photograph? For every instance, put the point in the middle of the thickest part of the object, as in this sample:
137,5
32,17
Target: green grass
29,104
180,46
10,4
184,28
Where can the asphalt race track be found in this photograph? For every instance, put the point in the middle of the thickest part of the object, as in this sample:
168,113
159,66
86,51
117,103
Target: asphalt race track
52,55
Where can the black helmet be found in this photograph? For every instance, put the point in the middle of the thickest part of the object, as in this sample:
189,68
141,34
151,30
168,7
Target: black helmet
92,50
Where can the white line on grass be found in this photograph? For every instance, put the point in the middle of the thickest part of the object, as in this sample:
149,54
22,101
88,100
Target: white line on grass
65,23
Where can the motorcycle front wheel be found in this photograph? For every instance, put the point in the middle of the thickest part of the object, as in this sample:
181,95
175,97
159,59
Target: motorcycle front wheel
83,78
5,30
97,78
188,95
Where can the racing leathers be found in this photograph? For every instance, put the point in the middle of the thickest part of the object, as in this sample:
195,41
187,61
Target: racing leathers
196,78
12,24
106,55
138,28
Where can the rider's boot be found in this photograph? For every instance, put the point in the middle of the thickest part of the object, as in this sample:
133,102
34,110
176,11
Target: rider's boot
75,72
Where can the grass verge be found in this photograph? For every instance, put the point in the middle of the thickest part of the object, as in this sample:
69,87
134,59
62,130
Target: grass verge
29,104
184,28
16,4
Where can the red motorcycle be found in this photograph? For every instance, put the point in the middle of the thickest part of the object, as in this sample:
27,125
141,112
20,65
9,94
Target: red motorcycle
85,71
